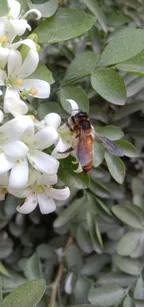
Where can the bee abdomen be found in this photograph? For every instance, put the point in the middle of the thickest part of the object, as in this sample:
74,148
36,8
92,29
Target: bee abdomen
87,168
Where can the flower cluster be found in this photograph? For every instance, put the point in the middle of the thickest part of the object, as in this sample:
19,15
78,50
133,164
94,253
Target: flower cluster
29,149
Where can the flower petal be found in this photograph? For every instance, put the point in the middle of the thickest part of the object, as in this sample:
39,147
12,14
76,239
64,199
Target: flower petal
5,163
41,86
4,52
20,26
15,149
29,204
59,149
13,104
14,8
28,42
14,64
19,175
29,65
43,162
46,204
53,119
74,106
59,194
2,77
1,114
4,179
14,128
48,179
45,137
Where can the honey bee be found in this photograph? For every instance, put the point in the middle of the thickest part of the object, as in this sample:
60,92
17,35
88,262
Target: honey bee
83,139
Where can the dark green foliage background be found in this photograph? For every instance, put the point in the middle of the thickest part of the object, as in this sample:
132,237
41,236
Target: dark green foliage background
105,218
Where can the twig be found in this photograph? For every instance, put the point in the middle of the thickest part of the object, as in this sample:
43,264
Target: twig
59,275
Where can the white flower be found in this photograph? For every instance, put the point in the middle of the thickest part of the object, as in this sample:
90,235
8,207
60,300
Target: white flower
13,24
41,192
16,80
20,147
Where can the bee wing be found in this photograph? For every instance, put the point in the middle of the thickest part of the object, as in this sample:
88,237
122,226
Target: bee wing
108,144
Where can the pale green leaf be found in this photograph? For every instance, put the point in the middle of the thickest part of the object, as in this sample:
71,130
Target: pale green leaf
116,167
47,9
98,154
26,295
42,73
128,302
124,46
135,64
128,243
33,268
128,149
111,132
3,269
98,12
132,218
82,65
107,295
139,289
65,24
110,85
128,265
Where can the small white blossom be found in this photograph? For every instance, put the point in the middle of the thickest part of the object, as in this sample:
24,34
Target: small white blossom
41,192
17,82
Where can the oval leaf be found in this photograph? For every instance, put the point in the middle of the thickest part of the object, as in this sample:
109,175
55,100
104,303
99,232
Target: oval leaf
128,216
111,132
64,25
128,43
135,64
128,265
42,73
26,295
82,65
47,9
128,149
128,243
116,167
110,85
106,296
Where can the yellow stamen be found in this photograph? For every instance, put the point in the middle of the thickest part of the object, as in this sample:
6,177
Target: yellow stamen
3,191
39,189
9,16
3,39
32,116
19,81
33,91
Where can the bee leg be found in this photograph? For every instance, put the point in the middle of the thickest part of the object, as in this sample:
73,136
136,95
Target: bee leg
69,126
66,151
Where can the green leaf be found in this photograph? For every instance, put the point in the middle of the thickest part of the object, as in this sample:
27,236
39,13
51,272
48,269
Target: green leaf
92,233
98,12
94,264
42,73
83,239
45,251
48,107
98,154
98,113
117,19
69,177
128,265
98,233
133,219
3,269
74,258
82,65
26,295
111,132
121,279
110,85
135,86
81,289
135,64
47,9
69,213
116,167
107,295
4,9
75,93
65,24
128,243
139,289
122,47
6,246
33,268
128,302
128,149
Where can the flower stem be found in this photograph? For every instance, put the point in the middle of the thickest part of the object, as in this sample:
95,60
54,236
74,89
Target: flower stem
59,275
